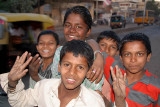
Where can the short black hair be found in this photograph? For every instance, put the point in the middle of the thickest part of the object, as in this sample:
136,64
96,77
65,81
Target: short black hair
50,32
108,34
78,47
136,37
83,12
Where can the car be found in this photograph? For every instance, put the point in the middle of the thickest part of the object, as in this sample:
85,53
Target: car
117,21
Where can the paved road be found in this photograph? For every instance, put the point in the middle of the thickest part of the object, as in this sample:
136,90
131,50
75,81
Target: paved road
152,31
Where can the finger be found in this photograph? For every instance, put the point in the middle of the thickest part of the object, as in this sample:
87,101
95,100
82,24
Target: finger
23,57
120,74
34,58
22,74
100,77
24,65
112,73
125,77
29,55
89,73
38,65
37,61
96,74
117,72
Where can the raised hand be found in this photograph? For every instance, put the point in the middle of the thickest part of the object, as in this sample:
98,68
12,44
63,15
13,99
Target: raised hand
119,86
34,66
18,70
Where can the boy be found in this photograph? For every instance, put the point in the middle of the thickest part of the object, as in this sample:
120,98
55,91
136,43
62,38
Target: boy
142,88
76,58
109,44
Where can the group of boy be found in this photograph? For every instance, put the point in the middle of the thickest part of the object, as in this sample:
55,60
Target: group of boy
129,82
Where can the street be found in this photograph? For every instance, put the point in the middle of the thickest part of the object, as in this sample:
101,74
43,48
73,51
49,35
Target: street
152,31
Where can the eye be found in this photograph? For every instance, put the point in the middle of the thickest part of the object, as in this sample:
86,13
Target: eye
113,47
78,27
102,45
40,43
67,25
126,54
66,64
81,67
140,54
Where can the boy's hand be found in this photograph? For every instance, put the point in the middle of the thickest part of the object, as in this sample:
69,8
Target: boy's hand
18,70
34,66
119,86
97,69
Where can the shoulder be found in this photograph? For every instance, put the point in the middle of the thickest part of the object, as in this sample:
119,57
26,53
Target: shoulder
48,82
92,97
151,80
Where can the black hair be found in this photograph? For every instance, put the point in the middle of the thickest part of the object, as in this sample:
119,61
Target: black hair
78,47
136,37
83,12
109,35
50,32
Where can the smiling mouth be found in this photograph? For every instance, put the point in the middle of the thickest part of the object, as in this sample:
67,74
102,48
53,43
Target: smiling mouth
45,51
71,81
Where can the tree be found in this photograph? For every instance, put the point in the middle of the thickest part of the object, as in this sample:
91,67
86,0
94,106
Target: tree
152,5
17,6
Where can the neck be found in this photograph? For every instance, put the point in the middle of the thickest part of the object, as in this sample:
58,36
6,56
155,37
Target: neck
46,62
69,93
133,77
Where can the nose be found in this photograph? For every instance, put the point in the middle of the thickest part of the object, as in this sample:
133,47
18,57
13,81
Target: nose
107,49
72,29
72,70
133,58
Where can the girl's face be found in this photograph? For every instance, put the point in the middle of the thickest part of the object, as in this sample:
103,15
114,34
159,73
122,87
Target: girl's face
47,46
75,28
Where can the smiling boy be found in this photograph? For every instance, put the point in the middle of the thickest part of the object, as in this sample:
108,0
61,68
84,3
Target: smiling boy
76,58
142,87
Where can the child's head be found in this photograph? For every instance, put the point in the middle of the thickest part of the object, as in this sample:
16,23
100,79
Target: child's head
77,23
76,57
109,42
135,52
47,43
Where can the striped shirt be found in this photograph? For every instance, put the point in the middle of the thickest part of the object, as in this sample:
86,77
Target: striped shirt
142,93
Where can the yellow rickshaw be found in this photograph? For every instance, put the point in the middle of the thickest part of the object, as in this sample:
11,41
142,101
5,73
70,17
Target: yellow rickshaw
18,33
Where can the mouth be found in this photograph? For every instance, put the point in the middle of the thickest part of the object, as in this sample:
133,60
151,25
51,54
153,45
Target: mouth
72,37
46,51
71,81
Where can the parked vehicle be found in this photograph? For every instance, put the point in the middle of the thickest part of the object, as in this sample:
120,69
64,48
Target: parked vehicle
147,19
117,21
18,32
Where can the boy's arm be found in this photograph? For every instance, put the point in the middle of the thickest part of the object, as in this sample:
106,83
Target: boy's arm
119,87
98,64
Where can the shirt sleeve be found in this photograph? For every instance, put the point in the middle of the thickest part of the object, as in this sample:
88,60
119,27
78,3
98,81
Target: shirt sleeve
93,85
20,97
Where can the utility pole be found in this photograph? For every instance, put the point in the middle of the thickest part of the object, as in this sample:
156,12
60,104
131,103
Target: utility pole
96,10
144,12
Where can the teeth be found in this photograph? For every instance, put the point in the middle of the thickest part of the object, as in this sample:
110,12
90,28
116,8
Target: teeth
71,36
71,79
46,51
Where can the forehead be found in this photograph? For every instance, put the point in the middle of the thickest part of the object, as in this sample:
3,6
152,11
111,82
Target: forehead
134,46
47,36
108,40
75,18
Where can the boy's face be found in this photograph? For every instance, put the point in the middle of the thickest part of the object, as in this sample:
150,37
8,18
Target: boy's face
75,28
47,46
134,57
109,46
73,70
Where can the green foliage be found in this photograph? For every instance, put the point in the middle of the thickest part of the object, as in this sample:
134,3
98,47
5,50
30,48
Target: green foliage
17,6
152,5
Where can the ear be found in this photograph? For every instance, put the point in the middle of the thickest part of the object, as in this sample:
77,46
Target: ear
59,67
88,33
148,57
121,58
37,47
117,53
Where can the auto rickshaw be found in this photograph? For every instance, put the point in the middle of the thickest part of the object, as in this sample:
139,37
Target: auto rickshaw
18,33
